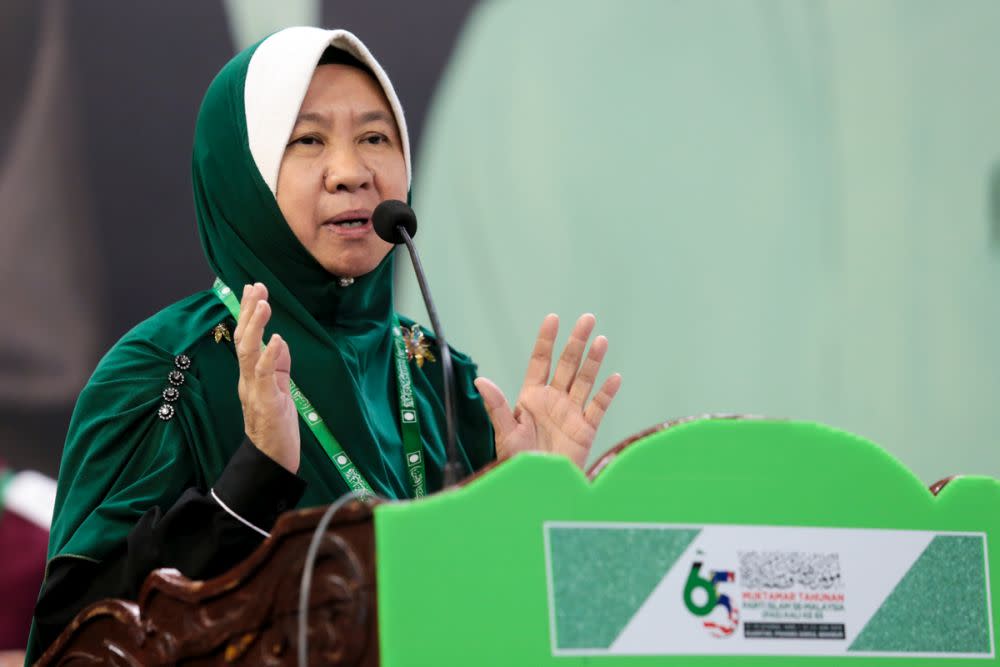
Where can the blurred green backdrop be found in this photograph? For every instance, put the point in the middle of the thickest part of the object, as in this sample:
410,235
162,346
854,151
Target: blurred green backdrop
780,207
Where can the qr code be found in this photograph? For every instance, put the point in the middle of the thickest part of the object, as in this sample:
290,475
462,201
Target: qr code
785,569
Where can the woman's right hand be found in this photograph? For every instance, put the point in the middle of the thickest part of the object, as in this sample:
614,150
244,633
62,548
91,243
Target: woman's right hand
269,415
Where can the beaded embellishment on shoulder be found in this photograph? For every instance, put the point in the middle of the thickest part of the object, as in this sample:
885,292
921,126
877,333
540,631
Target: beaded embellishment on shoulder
172,392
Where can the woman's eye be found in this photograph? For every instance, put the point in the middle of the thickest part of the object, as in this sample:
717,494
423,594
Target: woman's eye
308,140
375,139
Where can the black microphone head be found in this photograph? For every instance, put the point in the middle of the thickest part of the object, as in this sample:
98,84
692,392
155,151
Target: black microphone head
391,214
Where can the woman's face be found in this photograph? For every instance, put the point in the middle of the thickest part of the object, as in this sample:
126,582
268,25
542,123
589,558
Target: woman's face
343,158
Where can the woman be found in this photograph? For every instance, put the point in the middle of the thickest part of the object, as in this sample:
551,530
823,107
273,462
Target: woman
189,439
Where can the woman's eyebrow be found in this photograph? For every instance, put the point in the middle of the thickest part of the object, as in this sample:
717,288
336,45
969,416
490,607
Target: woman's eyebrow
324,119
372,116
312,116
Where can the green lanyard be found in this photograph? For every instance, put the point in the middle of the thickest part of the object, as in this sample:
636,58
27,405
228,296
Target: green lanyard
412,447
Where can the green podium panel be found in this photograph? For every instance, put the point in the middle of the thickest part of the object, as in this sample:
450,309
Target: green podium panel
715,542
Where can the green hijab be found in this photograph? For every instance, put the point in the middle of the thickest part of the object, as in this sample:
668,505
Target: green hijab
129,448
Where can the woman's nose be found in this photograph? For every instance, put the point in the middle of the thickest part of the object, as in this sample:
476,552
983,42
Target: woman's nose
346,172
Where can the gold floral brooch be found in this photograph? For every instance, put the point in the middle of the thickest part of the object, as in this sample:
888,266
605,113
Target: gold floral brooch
417,345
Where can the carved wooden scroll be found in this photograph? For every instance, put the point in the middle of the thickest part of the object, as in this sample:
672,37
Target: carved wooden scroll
248,616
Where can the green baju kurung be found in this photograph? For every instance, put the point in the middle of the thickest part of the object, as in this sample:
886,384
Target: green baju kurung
161,413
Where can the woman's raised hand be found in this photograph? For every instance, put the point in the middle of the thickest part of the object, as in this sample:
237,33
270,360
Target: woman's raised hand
554,416
269,416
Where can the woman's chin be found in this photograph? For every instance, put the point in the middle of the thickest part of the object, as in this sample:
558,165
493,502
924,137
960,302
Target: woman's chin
352,267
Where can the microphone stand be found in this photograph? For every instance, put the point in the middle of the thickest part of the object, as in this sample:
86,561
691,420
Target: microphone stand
452,470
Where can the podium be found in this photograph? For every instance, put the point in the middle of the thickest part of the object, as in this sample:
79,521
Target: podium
707,542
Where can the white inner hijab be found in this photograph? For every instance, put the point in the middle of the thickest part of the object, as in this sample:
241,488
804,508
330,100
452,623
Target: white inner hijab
278,77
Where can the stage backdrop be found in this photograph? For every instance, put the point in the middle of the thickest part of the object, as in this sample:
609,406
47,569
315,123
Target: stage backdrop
784,208
780,207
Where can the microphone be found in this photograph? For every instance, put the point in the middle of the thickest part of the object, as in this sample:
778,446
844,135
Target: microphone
389,216
396,223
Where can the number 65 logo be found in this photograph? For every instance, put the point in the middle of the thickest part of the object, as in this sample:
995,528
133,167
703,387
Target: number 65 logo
702,598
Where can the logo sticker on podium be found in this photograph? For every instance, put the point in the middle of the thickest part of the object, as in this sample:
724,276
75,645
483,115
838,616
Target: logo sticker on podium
657,589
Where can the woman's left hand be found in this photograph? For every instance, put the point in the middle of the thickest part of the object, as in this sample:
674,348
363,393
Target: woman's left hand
554,416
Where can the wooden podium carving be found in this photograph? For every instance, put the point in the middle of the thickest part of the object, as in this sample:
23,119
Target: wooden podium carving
248,616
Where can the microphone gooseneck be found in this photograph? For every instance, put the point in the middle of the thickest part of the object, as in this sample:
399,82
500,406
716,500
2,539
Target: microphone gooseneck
396,223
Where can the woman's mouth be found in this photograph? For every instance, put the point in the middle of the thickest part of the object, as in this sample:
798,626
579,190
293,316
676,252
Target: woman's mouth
350,223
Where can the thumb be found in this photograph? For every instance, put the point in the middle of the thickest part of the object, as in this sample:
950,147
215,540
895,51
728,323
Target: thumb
282,364
497,408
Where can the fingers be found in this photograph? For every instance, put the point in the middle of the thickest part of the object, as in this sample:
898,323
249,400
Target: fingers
602,401
584,382
569,360
254,314
273,366
497,408
283,361
541,357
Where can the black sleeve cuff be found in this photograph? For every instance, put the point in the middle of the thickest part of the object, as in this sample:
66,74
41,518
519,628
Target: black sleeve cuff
256,487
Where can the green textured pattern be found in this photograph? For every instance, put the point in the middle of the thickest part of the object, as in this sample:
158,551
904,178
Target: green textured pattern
938,607
602,575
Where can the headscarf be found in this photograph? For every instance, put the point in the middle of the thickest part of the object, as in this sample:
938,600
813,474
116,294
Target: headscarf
126,453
